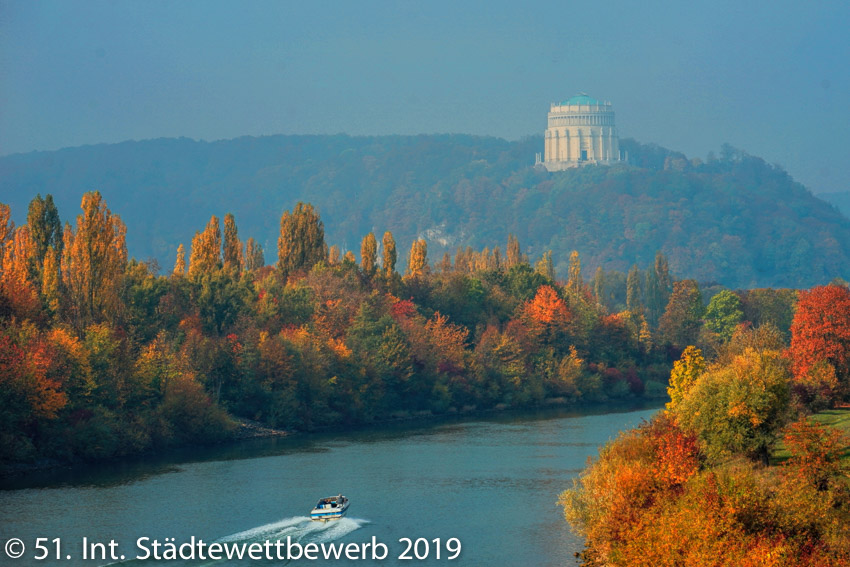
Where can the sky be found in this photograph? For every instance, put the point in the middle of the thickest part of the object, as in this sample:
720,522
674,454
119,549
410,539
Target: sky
771,78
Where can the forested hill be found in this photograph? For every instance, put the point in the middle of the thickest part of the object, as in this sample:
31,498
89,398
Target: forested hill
734,219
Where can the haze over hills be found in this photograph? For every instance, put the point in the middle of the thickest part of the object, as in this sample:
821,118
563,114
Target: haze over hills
841,199
735,219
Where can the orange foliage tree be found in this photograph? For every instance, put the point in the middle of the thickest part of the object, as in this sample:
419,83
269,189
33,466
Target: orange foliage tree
820,333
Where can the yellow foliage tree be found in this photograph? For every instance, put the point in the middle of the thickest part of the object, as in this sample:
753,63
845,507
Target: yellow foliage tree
368,254
418,262
686,371
94,259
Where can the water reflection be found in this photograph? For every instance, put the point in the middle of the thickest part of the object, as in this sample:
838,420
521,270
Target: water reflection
471,430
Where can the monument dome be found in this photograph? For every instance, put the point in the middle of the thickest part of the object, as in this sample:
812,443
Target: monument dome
580,132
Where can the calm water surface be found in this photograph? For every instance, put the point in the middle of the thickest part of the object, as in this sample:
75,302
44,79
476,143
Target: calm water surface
491,482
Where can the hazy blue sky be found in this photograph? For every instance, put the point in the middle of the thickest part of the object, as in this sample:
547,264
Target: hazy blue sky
772,78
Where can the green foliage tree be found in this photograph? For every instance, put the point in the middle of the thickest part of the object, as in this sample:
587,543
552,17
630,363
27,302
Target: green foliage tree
657,289
739,408
45,227
301,244
545,267
599,291
724,314
633,291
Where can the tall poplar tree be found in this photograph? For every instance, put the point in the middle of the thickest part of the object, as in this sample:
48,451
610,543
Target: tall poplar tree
514,256
368,254
50,291
389,254
658,287
45,227
205,257
16,276
180,262
575,282
418,262
95,256
7,228
333,255
301,244
232,245
545,267
599,286
633,291
254,258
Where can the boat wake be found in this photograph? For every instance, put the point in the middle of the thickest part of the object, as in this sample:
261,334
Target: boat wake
299,529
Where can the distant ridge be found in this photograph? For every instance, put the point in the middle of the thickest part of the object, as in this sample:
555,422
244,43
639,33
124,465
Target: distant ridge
735,220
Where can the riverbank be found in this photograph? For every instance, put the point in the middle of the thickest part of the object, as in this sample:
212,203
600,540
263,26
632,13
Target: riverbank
248,433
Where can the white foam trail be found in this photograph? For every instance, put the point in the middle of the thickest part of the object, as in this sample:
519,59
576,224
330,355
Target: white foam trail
300,529
281,526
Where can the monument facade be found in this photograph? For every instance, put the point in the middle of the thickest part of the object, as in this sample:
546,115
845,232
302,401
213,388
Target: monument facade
580,132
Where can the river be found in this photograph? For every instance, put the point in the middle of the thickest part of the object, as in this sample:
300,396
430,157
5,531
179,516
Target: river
487,483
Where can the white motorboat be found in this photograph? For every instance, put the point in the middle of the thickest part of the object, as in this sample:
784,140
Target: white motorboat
330,508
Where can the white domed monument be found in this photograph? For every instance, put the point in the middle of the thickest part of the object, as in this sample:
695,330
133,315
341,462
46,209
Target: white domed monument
580,132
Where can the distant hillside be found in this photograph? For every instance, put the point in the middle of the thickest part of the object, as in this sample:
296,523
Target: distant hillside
840,199
735,220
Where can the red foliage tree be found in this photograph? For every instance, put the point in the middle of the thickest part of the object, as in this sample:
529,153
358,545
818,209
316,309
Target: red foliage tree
820,332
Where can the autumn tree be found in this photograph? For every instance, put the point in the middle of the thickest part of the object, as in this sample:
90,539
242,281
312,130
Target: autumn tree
50,290
254,258
94,258
738,408
513,253
180,262
301,244
389,254
599,286
16,278
45,228
816,452
549,316
773,306
418,262
368,254
686,371
633,291
657,289
7,227
820,332
333,255
681,321
232,245
444,266
28,395
575,283
205,256
545,267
